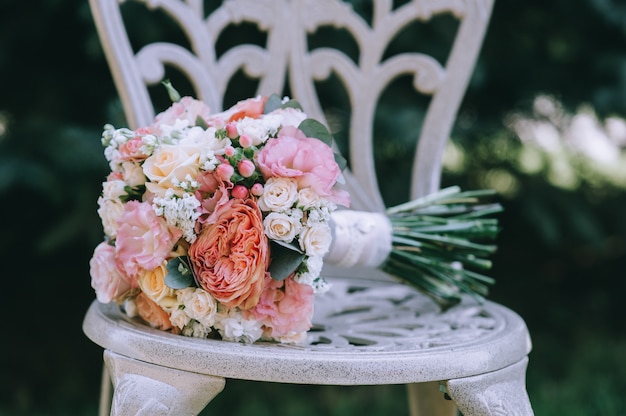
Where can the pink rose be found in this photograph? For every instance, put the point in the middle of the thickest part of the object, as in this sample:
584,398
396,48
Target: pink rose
143,241
131,150
309,160
285,308
230,257
106,279
152,313
187,108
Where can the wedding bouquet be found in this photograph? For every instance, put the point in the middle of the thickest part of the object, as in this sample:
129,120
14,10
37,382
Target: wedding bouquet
216,225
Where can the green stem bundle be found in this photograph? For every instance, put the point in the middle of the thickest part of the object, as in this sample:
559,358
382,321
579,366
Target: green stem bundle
441,244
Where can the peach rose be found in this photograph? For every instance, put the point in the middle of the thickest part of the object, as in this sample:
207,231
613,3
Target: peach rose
143,241
152,313
108,282
285,308
230,256
152,283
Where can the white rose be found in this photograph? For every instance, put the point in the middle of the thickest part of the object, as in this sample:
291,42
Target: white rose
109,211
278,194
133,174
199,305
278,226
315,240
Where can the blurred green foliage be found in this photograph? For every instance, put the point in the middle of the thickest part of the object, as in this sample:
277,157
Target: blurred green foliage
562,251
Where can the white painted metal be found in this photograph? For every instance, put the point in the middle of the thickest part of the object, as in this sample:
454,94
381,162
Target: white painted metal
366,331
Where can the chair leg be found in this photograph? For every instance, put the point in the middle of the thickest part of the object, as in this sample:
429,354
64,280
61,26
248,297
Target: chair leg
501,392
425,399
144,389
105,392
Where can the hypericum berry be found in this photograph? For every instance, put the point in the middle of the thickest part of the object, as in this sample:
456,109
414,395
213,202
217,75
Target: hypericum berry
246,168
239,191
257,189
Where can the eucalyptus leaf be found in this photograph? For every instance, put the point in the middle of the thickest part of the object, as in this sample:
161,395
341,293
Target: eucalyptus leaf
273,102
201,123
285,260
313,128
341,161
179,275
292,104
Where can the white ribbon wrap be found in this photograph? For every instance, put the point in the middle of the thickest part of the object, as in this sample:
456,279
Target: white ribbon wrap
360,238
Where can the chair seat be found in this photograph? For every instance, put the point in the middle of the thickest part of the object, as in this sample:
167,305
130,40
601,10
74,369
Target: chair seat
365,332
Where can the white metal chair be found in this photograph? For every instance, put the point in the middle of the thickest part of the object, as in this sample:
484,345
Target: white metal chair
368,330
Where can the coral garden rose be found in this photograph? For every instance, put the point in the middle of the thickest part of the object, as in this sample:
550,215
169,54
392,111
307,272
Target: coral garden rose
285,308
230,256
309,160
252,107
108,282
143,241
152,313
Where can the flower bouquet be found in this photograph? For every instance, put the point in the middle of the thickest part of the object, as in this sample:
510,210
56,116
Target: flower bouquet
217,225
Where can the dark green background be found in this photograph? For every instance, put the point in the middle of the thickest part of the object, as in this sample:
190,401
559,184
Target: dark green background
562,251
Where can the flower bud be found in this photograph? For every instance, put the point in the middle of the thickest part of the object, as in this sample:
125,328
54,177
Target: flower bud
245,141
229,151
231,131
239,191
257,189
246,168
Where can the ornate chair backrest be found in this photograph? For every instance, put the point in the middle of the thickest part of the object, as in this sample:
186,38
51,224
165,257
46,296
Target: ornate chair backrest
287,62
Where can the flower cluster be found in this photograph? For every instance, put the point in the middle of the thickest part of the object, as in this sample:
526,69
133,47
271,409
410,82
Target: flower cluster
216,225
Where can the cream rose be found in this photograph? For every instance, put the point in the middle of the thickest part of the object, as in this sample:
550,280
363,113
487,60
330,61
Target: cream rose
109,211
133,174
152,283
199,305
307,198
315,239
278,194
278,226
170,165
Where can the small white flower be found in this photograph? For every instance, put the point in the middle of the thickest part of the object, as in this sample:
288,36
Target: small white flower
180,212
233,327
196,329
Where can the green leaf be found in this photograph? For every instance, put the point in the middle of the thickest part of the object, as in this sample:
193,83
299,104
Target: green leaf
273,103
201,123
286,258
179,275
341,161
292,104
313,128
